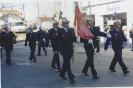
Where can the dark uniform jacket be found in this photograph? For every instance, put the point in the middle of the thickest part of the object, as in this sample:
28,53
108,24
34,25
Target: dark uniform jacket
53,38
66,39
31,37
117,39
41,35
7,39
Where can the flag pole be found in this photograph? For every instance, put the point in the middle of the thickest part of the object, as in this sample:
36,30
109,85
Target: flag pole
95,53
92,42
74,32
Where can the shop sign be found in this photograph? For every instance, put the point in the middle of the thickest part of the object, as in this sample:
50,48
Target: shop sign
113,8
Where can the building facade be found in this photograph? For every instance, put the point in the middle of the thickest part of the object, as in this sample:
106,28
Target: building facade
106,11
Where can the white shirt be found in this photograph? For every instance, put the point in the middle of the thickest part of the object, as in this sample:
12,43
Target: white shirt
117,29
55,29
66,29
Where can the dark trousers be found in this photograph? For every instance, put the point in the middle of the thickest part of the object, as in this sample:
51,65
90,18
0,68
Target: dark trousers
41,44
90,60
66,66
97,45
56,60
132,43
32,54
118,58
1,52
8,50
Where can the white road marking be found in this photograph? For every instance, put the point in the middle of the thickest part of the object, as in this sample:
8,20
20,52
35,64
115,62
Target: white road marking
24,63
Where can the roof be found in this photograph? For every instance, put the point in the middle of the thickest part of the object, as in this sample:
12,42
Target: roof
45,18
5,11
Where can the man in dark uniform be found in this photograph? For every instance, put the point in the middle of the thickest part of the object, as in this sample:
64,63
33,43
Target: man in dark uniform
31,37
89,49
7,42
66,37
42,39
53,33
117,39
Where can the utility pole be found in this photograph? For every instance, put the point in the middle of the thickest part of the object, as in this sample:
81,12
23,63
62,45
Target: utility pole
89,7
38,9
4,16
24,12
38,23
2,5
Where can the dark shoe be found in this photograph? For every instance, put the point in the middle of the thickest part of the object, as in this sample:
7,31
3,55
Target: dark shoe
95,77
126,72
112,70
46,54
6,62
9,64
63,77
72,81
131,50
38,55
30,60
58,70
34,61
85,73
53,66
97,51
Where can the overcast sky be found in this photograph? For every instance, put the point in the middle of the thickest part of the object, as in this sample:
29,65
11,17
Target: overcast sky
46,7
31,10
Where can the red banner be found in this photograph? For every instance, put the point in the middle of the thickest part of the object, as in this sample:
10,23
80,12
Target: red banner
82,30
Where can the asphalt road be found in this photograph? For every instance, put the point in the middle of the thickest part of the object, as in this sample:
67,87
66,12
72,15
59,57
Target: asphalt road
24,74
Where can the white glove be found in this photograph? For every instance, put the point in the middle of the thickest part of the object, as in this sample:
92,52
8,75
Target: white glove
55,52
125,43
44,40
90,41
74,44
78,40
108,35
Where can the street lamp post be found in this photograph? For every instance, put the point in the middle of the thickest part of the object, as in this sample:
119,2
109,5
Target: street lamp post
38,9
89,7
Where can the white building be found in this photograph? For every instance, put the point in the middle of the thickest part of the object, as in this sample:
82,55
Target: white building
102,9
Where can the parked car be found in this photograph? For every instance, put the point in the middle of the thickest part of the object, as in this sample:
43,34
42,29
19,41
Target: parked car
18,27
